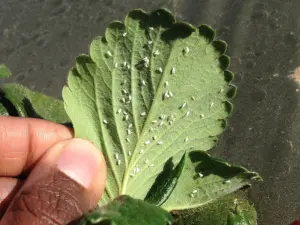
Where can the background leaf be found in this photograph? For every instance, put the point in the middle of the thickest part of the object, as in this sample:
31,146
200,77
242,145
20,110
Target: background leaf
4,71
216,212
205,179
128,211
21,101
151,89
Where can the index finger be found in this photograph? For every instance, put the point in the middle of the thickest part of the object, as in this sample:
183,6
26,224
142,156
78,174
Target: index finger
24,140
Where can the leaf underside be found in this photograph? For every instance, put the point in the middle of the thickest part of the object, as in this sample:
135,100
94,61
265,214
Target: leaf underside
150,90
217,212
205,179
128,211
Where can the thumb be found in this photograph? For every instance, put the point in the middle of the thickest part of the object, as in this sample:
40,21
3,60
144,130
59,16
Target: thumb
67,182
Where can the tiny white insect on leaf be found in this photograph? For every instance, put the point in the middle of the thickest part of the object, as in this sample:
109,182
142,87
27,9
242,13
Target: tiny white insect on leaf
187,113
211,104
227,181
192,195
124,34
201,116
183,105
128,131
116,156
193,98
166,83
154,121
147,142
143,114
150,42
200,175
119,111
186,139
141,151
194,191
116,65
119,162
160,143
186,50
151,28
129,125
127,139
108,53
129,153
160,70
143,82
146,161
154,138
173,70
171,94
156,53
105,122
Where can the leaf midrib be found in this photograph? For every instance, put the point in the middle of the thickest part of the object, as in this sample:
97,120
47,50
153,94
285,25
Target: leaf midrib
148,121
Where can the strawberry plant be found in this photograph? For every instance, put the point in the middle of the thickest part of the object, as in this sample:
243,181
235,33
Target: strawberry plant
152,95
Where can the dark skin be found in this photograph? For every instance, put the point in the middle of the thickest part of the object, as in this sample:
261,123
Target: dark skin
46,175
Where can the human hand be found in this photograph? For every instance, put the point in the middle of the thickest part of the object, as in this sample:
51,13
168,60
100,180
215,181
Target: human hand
46,175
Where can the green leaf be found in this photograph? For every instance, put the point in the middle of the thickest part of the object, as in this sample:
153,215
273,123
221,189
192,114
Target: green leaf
3,110
205,179
33,104
217,212
151,90
4,71
237,217
165,183
128,211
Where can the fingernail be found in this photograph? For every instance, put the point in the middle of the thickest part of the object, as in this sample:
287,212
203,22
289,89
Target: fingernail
80,162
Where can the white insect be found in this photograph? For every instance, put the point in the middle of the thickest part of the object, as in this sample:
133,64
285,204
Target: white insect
160,70
128,131
108,53
116,156
226,181
126,117
192,195
130,125
156,53
105,122
124,34
118,162
211,104
151,165
128,67
160,143
143,82
124,63
173,70
194,191
127,139
186,139
171,94
154,138
221,90
166,83
129,153
186,50
147,142
187,113
166,95
123,100
124,91
200,175
154,121
143,114
141,151
161,123
162,116
116,65
150,42
201,116
151,28
146,161
146,60
183,105
193,98
119,111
